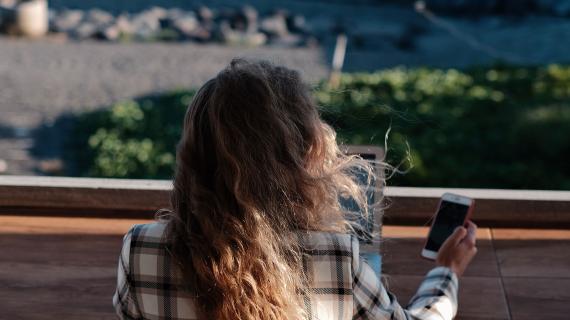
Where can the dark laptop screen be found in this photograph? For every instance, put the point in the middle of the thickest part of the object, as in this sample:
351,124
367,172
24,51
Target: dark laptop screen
366,224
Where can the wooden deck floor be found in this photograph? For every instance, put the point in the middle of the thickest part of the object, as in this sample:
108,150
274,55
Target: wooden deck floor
64,268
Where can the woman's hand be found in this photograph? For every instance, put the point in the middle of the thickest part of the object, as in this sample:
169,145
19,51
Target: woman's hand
459,249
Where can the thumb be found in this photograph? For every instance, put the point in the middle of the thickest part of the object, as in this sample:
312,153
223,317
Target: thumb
457,235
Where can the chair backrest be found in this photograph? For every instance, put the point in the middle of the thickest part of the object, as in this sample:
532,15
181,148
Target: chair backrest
370,247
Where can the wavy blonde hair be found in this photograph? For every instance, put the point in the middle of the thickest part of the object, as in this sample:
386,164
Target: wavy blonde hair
255,166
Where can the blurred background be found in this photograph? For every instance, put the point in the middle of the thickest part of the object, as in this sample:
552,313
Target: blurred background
473,93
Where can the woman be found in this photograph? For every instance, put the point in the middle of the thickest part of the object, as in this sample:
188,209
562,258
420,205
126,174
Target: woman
255,230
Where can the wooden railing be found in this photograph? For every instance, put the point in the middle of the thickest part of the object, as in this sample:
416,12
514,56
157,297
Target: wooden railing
141,198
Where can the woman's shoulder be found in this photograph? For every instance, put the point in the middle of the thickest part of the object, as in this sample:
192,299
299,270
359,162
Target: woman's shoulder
329,243
154,232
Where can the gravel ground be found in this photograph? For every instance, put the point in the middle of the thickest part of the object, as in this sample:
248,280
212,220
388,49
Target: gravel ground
40,80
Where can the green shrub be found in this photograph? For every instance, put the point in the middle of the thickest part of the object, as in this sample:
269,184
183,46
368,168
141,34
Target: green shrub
132,139
500,127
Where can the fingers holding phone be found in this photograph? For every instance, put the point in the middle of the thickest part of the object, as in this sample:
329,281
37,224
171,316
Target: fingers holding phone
471,237
459,249
453,211
452,238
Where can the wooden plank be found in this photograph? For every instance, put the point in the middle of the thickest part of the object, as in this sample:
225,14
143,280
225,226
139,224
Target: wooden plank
65,268
62,226
538,298
401,249
533,253
50,276
479,297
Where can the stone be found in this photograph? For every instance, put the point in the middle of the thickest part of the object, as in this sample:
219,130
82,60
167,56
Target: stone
111,33
3,166
202,34
205,14
123,24
32,18
99,18
146,24
171,15
297,23
275,25
156,12
84,31
186,24
251,19
67,20
242,38
8,3
51,166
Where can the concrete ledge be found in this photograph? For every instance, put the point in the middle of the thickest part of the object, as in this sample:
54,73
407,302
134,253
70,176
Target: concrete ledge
141,198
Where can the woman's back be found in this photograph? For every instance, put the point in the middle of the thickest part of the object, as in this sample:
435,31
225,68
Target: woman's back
341,284
255,228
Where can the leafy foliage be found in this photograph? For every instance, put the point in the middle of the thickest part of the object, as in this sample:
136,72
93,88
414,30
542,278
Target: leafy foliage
500,127
132,139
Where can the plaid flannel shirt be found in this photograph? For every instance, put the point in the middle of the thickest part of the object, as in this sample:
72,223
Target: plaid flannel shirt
343,286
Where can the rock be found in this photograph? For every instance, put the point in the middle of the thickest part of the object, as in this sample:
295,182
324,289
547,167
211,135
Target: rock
84,31
121,26
156,13
8,3
67,20
99,18
51,166
205,31
205,14
171,15
297,24
111,33
186,24
237,37
3,166
234,18
251,19
32,18
202,34
124,24
146,24
275,25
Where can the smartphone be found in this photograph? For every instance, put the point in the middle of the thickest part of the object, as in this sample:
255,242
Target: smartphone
453,211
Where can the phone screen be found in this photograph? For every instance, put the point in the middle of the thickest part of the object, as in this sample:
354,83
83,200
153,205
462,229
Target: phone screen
449,216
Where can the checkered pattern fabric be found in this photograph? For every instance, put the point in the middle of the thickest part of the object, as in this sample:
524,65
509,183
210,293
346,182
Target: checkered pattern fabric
343,286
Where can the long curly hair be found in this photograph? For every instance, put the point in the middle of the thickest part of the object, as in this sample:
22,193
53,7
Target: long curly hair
256,166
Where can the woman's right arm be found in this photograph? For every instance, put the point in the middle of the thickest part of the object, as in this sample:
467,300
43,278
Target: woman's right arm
436,297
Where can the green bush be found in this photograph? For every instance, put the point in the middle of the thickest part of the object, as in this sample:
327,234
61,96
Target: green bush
500,127
132,139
